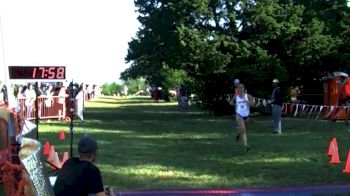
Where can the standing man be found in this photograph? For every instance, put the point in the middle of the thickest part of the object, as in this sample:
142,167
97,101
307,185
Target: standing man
183,97
276,102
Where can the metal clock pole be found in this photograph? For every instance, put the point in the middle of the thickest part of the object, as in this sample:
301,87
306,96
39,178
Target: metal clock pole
71,99
37,110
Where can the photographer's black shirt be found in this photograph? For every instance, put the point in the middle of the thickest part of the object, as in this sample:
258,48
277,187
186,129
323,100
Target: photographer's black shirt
78,178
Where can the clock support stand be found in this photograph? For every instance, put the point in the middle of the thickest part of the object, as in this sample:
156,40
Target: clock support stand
72,112
71,117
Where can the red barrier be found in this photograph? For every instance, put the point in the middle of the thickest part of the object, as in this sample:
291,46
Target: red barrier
49,108
321,112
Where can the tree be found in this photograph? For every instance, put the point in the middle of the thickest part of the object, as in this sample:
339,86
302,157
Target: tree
211,42
136,85
111,89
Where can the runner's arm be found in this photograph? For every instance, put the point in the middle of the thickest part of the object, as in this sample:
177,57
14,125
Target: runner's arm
230,100
251,100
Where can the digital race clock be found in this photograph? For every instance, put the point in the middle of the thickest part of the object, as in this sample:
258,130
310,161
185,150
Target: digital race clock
37,72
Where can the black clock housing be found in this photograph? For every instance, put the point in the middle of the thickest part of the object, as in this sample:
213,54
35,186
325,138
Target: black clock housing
37,72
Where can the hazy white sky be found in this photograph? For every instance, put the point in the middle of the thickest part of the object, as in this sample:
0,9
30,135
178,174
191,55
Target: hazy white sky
90,37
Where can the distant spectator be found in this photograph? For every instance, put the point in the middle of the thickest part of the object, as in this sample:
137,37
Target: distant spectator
94,90
154,93
294,94
19,97
30,99
184,97
39,90
48,94
89,92
19,92
86,92
178,95
62,95
3,94
276,102
124,91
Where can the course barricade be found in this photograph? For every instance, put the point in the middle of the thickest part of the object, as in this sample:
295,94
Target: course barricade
306,111
48,108
300,110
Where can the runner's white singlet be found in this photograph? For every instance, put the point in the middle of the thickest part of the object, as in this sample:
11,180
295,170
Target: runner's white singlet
242,106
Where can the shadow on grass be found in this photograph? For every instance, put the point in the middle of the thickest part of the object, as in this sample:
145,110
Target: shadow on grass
158,146
119,102
131,100
132,161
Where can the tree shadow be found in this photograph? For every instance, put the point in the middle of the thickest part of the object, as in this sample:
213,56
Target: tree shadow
134,137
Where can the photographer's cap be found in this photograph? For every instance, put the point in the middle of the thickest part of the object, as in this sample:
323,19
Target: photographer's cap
87,145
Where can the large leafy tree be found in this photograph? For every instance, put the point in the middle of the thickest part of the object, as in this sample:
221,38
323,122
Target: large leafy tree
211,42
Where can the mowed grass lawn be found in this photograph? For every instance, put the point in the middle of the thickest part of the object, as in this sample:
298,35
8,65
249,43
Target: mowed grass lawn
146,145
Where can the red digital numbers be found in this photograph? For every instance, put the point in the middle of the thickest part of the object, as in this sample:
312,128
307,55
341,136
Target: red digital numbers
61,73
37,72
52,72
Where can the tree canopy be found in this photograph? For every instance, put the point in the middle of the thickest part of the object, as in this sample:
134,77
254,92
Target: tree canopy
208,43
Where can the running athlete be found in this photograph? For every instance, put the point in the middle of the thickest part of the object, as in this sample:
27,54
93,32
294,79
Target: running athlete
242,102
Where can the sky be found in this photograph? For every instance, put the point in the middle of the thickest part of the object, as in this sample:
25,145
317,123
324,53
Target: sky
89,37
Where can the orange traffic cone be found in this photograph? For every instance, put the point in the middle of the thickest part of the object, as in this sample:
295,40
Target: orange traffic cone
331,147
335,158
347,165
52,153
335,154
335,143
64,158
61,135
46,148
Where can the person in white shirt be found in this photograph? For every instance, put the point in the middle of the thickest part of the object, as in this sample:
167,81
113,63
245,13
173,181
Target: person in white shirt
48,94
124,91
30,99
62,95
242,102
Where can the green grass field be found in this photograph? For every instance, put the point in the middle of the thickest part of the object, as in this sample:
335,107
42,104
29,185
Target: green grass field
146,145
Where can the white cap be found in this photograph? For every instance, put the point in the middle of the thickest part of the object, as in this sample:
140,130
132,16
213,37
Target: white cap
275,81
236,81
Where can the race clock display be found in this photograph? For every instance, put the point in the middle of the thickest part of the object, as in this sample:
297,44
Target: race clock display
37,72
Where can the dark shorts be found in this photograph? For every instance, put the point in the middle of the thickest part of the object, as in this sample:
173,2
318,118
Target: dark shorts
245,118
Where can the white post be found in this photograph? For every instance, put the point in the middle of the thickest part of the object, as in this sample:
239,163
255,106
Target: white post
6,71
